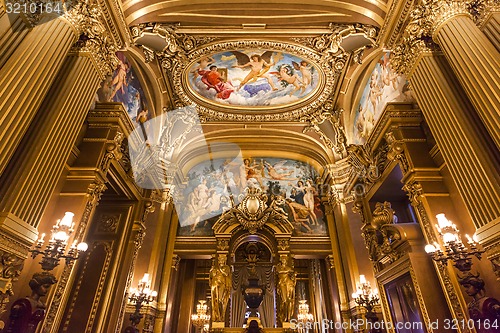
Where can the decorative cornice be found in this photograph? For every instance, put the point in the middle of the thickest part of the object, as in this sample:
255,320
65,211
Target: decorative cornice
400,15
111,9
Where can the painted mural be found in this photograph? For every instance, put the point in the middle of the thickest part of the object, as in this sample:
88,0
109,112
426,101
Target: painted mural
253,78
384,86
212,186
123,86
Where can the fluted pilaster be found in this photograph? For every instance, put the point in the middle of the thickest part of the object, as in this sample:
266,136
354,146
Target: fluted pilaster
26,77
476,62
32,175
459,135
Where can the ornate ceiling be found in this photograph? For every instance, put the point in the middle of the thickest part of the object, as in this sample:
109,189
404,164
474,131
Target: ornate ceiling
184,38
270,13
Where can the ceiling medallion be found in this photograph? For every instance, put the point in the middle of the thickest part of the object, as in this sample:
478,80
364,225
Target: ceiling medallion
254,80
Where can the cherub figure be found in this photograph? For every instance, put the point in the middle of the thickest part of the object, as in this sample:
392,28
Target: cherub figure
306,71
287,75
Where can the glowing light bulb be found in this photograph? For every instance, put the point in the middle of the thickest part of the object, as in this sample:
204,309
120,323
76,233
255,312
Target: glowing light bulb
67,220
429,248
82,247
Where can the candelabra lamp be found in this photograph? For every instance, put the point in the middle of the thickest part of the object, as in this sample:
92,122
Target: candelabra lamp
27,313
365,297
201,318
304,316
138,297
483,310
454,248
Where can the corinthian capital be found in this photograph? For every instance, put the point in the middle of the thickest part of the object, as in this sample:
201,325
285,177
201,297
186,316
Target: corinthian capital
432,14
86,18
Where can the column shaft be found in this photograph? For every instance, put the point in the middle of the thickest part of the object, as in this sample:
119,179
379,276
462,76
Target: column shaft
476,62
25,79
12,31
491,29
472,164
32,175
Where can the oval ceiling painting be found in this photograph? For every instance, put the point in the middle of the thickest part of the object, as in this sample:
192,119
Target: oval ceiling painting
253,79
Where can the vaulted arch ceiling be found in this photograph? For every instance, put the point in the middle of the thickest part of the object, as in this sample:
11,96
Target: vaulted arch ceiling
272,13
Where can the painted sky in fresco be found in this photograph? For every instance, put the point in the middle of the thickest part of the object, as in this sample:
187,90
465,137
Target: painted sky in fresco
383,86
276,79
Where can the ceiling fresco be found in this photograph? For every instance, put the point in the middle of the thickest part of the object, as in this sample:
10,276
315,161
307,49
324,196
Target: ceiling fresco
384,86
253,79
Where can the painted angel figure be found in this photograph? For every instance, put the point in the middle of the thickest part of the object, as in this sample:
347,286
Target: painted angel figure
306,71
259,66
287,76
272,171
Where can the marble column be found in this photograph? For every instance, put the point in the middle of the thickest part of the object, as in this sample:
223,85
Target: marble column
474,59
487,18
34,171
26,77
470,155
13,30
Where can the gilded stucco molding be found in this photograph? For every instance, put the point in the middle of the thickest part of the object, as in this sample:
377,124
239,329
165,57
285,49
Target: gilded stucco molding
410,49
400,15
140,233
111,10
481,9
329,45
10,269
367,166
493,255
397,152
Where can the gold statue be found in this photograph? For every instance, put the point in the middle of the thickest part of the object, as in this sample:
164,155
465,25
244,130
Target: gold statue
286,289
220,286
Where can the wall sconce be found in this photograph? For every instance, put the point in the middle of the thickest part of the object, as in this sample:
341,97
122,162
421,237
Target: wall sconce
304,316
454,248
483,310
365,297
201,318
56,248
139,296
22,311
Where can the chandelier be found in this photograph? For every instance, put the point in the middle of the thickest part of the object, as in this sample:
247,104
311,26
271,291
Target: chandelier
139,296
365,297
201,318
304,316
